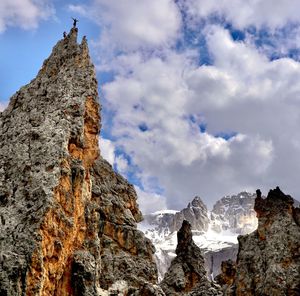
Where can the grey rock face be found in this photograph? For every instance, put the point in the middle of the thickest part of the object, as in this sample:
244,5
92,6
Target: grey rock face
186,275
235,213
195,213
67,221
268,261
227,276
46,123
166,222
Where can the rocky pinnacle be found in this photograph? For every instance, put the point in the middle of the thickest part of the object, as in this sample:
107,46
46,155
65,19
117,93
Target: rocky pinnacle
187,275
67,220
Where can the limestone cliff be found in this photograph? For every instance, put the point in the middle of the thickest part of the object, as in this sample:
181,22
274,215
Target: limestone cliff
195,213
268,261
67,221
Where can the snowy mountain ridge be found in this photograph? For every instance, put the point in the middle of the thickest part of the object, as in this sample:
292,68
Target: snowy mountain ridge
215,231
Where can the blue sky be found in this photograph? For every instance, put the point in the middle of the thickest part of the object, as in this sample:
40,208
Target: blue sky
200,97
22,52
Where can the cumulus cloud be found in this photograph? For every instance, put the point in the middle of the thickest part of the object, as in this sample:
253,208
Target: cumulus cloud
150,202
242,14
23,13
182,129
133,24
166,99
3,104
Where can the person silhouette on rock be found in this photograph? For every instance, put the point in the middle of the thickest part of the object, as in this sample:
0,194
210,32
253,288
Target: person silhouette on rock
75,21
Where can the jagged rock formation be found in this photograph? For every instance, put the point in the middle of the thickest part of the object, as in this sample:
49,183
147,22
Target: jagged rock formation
125,252
162,223
235,213
268,261
67,221
186,275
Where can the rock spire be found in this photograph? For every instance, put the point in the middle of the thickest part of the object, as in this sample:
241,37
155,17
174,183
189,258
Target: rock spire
67,220
187,275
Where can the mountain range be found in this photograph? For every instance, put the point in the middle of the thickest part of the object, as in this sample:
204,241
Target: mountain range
215,231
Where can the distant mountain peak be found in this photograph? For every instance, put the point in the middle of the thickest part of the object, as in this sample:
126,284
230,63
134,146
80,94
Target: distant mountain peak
197,203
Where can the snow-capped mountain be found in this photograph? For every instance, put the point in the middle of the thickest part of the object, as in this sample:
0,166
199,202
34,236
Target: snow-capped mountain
215,232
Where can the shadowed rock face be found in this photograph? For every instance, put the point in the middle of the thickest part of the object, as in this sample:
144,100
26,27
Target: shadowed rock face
187,275
67,221
269,258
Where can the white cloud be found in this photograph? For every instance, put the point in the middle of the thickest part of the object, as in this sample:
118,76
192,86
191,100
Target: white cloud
133,24
150,202
23,13
242,91
122,164
107,149
242,14
160,97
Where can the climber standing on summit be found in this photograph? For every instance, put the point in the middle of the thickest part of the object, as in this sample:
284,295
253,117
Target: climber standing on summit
75,21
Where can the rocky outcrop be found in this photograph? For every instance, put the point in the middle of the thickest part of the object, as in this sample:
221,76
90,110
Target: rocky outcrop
67,221
186,275
215,233
268,261
235,213
160,224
